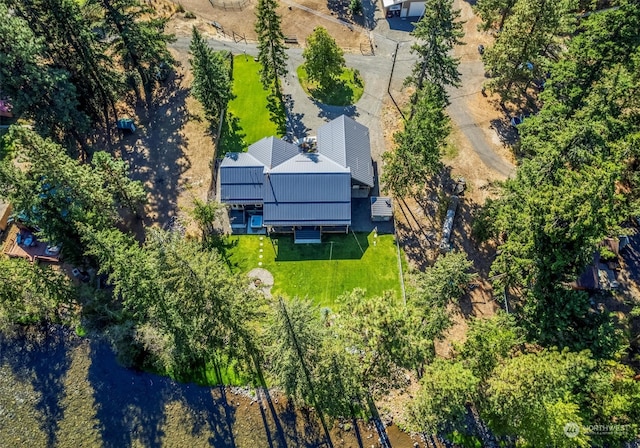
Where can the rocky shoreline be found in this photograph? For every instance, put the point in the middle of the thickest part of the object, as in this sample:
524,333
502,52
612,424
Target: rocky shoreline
58,389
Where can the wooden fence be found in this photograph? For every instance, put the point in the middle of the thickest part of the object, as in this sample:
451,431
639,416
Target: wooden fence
237,5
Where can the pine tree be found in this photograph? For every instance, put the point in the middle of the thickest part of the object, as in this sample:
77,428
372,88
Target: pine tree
211,81
419,145
493,12
437,33
64,30
37,89
529,38
271,49
141,41
54,192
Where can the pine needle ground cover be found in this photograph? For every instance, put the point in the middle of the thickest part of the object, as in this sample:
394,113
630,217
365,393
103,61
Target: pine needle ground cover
247,118
321,272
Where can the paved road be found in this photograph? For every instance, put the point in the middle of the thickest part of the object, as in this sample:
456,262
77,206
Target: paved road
472,77
306,115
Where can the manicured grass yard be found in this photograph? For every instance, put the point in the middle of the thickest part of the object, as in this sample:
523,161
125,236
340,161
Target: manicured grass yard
247,116
324,271
346,90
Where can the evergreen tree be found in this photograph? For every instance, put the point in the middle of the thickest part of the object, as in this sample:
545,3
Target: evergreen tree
141,42
437,32
271,49
493,12
52,191
32,293
64,30
490,342
567,197
419,145
519,55
294,337
37,89
533,396
440,404
116,180
383,335
211,81
182,295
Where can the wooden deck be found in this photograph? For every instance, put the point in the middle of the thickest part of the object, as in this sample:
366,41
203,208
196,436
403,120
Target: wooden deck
36,251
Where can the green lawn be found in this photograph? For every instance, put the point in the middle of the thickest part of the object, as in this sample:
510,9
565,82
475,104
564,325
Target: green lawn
346,90
324,271
247,118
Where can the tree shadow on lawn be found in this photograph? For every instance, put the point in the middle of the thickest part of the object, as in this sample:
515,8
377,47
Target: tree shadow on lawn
333,247
41,356
339,93
232,136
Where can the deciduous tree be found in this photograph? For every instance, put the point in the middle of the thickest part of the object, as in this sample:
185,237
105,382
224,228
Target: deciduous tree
324,60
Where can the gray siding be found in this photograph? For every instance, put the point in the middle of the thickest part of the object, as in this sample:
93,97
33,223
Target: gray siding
325,214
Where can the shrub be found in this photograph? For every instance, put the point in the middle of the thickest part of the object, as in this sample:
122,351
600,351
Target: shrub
355,7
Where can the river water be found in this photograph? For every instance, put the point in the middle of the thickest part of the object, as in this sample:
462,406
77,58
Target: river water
57,389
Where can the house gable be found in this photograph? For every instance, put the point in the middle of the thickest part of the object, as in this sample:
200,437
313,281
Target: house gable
347,143
308,189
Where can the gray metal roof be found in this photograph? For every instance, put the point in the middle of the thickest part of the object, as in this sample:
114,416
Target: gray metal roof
236,159
381,206
272,151
307,198
241,194
307,188
241,176
309,163
347,142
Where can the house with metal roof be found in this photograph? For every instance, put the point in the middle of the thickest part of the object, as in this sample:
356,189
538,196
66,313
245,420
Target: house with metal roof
281,187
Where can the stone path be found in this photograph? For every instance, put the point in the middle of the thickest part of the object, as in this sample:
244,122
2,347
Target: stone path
262,280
